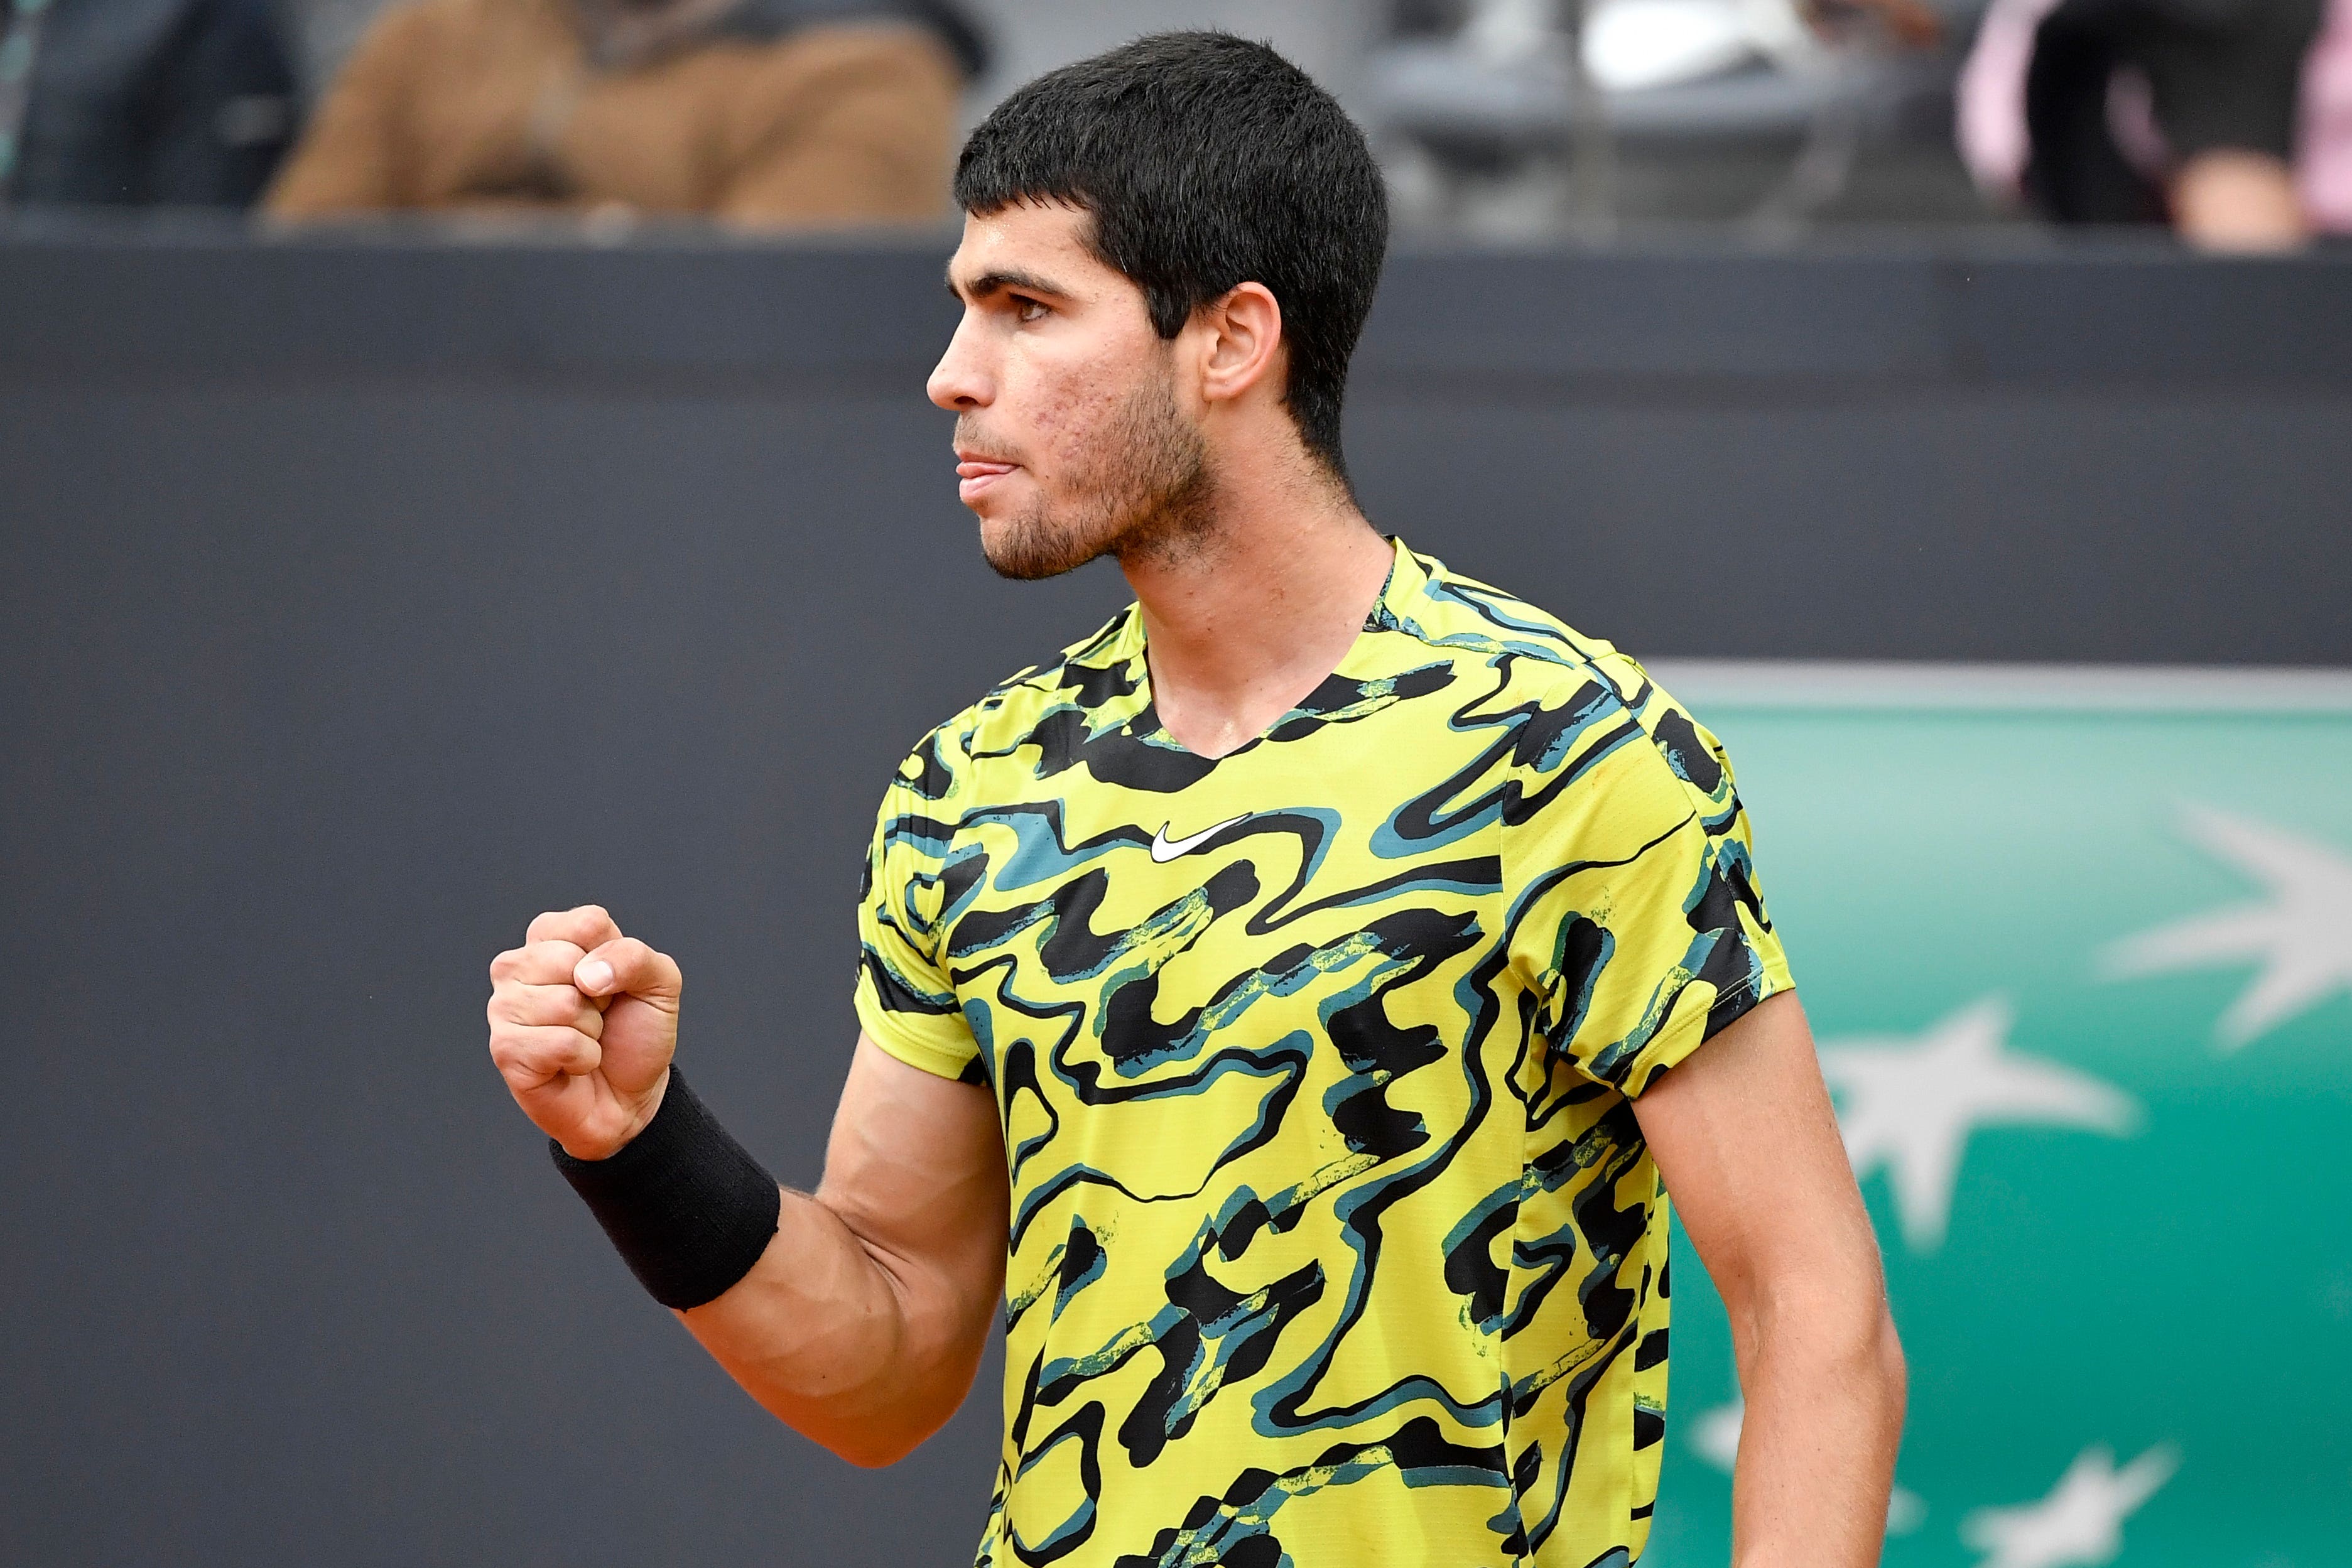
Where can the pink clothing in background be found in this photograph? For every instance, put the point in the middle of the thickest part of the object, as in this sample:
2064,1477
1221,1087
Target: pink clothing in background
2322,163
1989,97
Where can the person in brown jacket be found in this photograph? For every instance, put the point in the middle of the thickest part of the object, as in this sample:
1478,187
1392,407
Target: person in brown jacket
751,112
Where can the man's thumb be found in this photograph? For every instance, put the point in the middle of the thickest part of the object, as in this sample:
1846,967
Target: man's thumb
628,967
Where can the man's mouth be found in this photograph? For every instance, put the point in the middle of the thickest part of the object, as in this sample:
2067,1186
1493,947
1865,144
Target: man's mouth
974,475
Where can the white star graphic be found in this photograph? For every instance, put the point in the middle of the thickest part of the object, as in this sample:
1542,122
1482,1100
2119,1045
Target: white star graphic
2081,1523
2302,936
1910,1103
1716,1436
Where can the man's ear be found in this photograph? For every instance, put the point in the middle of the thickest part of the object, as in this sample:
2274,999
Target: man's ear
1244,344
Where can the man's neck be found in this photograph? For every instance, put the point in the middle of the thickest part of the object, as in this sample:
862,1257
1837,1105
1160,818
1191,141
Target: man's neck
1239,629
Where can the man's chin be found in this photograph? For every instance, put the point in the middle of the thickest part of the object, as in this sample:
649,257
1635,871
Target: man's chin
1027,550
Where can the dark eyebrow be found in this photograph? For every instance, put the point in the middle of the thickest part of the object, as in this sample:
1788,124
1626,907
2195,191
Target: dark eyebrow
989,283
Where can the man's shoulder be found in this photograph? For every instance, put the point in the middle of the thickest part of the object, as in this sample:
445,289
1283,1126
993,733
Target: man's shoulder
1560,668
1463,617
1092,674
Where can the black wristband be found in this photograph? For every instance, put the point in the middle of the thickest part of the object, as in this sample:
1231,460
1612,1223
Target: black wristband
688,1209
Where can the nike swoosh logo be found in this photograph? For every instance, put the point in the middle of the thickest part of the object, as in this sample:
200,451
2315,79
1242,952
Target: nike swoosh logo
1165,848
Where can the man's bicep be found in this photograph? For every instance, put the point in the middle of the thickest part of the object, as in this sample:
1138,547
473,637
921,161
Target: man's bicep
1745,1137
916,1166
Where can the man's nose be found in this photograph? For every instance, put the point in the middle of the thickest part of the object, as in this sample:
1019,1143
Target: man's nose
958,382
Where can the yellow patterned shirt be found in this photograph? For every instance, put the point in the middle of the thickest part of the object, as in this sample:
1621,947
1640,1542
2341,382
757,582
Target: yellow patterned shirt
1335,1241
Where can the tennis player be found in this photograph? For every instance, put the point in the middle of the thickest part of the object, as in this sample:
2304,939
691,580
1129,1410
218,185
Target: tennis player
1288,1008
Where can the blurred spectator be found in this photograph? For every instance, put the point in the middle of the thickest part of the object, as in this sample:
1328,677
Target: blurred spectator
757,111
140,103
2186,111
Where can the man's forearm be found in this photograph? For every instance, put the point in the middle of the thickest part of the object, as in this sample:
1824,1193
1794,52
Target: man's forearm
1825,1389
863,1353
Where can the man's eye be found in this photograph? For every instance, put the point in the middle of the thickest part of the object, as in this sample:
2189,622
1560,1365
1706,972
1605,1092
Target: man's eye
1027,309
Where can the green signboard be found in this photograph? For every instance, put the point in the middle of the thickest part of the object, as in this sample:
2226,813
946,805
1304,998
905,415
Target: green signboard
2077,947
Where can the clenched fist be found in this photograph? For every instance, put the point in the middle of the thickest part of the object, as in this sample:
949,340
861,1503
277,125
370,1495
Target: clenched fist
583,1021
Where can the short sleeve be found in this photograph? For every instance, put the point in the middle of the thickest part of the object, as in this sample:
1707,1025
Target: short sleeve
1636,920
906,1002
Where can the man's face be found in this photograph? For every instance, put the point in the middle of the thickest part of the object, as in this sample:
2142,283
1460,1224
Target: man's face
1073,436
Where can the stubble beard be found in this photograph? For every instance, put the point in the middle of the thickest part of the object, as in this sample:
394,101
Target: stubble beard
1148,497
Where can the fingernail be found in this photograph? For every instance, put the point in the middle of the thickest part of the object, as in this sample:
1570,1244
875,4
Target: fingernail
594,975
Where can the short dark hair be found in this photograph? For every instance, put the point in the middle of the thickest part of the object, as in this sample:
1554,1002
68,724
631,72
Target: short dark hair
1207,162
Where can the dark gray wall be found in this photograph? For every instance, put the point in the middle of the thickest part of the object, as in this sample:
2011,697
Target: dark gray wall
2108,452
359,599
